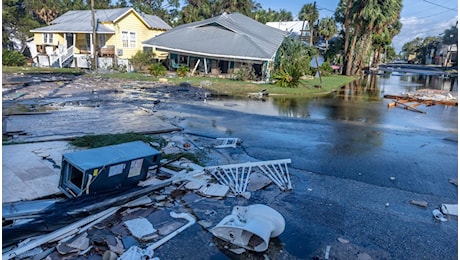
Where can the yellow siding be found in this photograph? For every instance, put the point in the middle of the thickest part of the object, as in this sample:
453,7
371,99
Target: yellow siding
131,23
38,38
57,38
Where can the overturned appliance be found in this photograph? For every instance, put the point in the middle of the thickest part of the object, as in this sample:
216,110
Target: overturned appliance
250,227
106,168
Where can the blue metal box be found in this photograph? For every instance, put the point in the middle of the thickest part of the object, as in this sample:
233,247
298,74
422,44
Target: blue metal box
106,168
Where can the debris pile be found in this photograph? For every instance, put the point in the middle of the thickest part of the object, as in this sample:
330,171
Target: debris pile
427,97
132,224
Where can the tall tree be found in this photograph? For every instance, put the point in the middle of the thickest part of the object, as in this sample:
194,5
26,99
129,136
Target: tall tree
309,13
364,18
327,28
17,21
46,10
165,9
265,16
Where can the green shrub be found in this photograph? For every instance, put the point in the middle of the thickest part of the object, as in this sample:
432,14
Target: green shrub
13,58
245,73
141,59
326,69
288,77
182,71
157,69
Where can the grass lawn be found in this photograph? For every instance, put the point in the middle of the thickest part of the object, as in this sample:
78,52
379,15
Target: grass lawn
220,86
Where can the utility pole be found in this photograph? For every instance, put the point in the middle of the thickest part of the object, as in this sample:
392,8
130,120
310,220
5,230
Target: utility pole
93,50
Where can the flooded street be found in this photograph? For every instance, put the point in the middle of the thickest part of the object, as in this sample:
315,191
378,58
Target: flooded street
361,101
356,164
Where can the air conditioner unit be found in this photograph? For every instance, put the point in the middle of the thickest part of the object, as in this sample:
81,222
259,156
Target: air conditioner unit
108,168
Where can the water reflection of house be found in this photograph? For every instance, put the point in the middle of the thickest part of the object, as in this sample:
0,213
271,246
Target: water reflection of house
221,45
68,41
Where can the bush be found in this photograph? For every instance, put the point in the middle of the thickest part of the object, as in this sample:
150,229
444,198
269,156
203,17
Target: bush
326,69
13,58
141,59
245,73
157,69
288,77
182,71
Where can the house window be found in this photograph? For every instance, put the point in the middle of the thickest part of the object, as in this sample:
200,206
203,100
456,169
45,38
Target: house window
132,40
102,40
128,39
88,41
48,38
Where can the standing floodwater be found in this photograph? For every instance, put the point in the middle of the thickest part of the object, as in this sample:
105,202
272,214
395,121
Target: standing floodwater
362,101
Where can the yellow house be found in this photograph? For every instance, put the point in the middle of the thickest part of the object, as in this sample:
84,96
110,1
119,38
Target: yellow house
119,33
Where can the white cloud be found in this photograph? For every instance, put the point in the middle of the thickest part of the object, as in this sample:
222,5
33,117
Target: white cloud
414,27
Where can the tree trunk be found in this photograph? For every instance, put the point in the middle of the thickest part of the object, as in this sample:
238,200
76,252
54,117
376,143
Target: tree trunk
351,51
346,25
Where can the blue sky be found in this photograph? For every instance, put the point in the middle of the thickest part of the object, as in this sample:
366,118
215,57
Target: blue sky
420,18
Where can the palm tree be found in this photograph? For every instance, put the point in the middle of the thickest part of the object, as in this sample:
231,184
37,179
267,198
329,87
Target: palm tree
309,13
327,29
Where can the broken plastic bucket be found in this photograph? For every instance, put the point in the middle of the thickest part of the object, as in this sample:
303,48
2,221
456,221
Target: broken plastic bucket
250,227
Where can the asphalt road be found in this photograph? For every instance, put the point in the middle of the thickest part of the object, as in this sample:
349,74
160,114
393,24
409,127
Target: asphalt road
352,180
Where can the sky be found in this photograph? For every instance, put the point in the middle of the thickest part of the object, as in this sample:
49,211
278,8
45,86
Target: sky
420,18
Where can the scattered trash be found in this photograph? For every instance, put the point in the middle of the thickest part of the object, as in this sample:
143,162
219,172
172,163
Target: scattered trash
450,209
258,181
328,249
364,256
438,215
238,251
387,204
250,227
140,228
191,220
236,176
453,181
214,190
343,240
227,142
392,178
420,203
136,252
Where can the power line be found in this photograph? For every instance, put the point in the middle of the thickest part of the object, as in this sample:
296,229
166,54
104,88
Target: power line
448,8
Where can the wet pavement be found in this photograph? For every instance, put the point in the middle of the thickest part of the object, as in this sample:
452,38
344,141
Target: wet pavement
355,166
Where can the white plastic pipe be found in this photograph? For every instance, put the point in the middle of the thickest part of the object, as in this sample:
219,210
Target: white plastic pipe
187,216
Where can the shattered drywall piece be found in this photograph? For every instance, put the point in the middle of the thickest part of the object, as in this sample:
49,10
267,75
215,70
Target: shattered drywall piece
258,181
420,203
81,242
193,185
135,252
214,190
140,228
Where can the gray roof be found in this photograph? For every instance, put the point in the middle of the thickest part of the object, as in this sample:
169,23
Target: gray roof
80,21
109,155
232,36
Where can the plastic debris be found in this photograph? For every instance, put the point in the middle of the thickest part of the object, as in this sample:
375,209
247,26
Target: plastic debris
250,227
450,209
438,215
